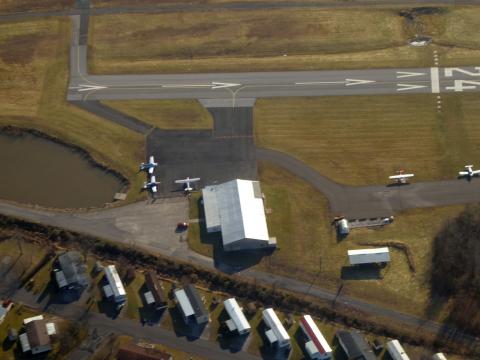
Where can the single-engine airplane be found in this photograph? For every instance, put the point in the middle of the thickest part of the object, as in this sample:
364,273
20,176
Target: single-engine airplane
151,185
188,187
149,166
401,178
469,173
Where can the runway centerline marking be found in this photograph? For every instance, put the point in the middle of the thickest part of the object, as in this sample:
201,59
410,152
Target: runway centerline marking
435,78
406,87
346,82
404,74
213,85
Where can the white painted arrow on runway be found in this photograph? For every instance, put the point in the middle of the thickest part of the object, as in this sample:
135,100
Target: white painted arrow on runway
403,87
214,85
83,87
404,74
346,82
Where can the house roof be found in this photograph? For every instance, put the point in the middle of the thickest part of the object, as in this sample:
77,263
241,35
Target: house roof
153,285
313,333
272,320
195,300
114,281
37,333
73,268
236,315
135,352
237,207
355,345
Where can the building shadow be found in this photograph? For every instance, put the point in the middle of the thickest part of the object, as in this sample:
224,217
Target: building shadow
271,352
105,306
191,330
227,340
361,272
148,314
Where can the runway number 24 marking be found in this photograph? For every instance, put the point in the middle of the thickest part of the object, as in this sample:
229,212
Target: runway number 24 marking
460,85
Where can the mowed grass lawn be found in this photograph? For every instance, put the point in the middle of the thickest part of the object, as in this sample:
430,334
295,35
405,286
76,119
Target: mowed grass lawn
308,248
166,114
362,140
273,39
9,6
34,78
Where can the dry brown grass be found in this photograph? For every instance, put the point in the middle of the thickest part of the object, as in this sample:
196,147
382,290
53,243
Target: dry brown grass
9,6
364,139
251,40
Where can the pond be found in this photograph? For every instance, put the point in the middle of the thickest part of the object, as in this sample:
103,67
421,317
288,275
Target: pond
35,170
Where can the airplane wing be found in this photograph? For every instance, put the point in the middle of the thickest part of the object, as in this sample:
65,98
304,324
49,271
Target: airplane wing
194,179
463,173
475,172
183,181
150,170
402,176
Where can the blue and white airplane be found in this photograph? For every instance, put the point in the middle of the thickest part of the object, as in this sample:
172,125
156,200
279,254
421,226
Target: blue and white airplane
151,185
149,166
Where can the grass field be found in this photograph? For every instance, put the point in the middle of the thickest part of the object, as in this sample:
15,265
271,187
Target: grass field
34,64
10,6
250,40
362,140
166,114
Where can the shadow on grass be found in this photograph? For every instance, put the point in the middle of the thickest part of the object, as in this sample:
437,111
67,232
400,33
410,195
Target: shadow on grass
364,272
106,306
7,344
229,340
148,313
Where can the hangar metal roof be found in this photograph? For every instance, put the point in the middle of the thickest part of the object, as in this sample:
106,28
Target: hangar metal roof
236,314
114,281
237,206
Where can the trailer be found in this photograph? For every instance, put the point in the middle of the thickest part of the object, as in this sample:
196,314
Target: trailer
396,350
369,256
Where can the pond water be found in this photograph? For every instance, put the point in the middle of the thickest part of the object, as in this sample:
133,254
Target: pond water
35,170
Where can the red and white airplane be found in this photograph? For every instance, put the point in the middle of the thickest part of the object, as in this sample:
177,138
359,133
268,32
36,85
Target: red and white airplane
188,188
401,177
470,172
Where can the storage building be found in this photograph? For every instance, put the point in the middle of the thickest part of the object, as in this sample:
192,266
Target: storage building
369,256
316,347
236,209
114,289
191,305
439,356
73,271
354,345
154,296
36,338
396,350
276,334
237,322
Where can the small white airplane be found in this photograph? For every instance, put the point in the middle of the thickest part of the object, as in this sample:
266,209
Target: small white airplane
188,188
151,185
149,166
470,172
401,177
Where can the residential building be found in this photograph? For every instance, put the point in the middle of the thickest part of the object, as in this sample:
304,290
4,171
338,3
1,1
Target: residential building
317,346
237,322
73,271
396,350
276,334
354,345
154,296
36,338
114,289
191,305
236,209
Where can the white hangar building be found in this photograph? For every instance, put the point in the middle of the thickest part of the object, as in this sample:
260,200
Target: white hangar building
236,209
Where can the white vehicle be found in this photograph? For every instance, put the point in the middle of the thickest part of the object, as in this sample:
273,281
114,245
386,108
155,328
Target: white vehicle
401,177
151,185
188,187
149,166
470,172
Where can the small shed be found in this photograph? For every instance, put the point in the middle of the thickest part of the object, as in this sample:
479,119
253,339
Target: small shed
396,350
238,322
439,356
369,256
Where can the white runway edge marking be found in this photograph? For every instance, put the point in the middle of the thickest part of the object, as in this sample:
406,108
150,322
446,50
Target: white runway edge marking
435,78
